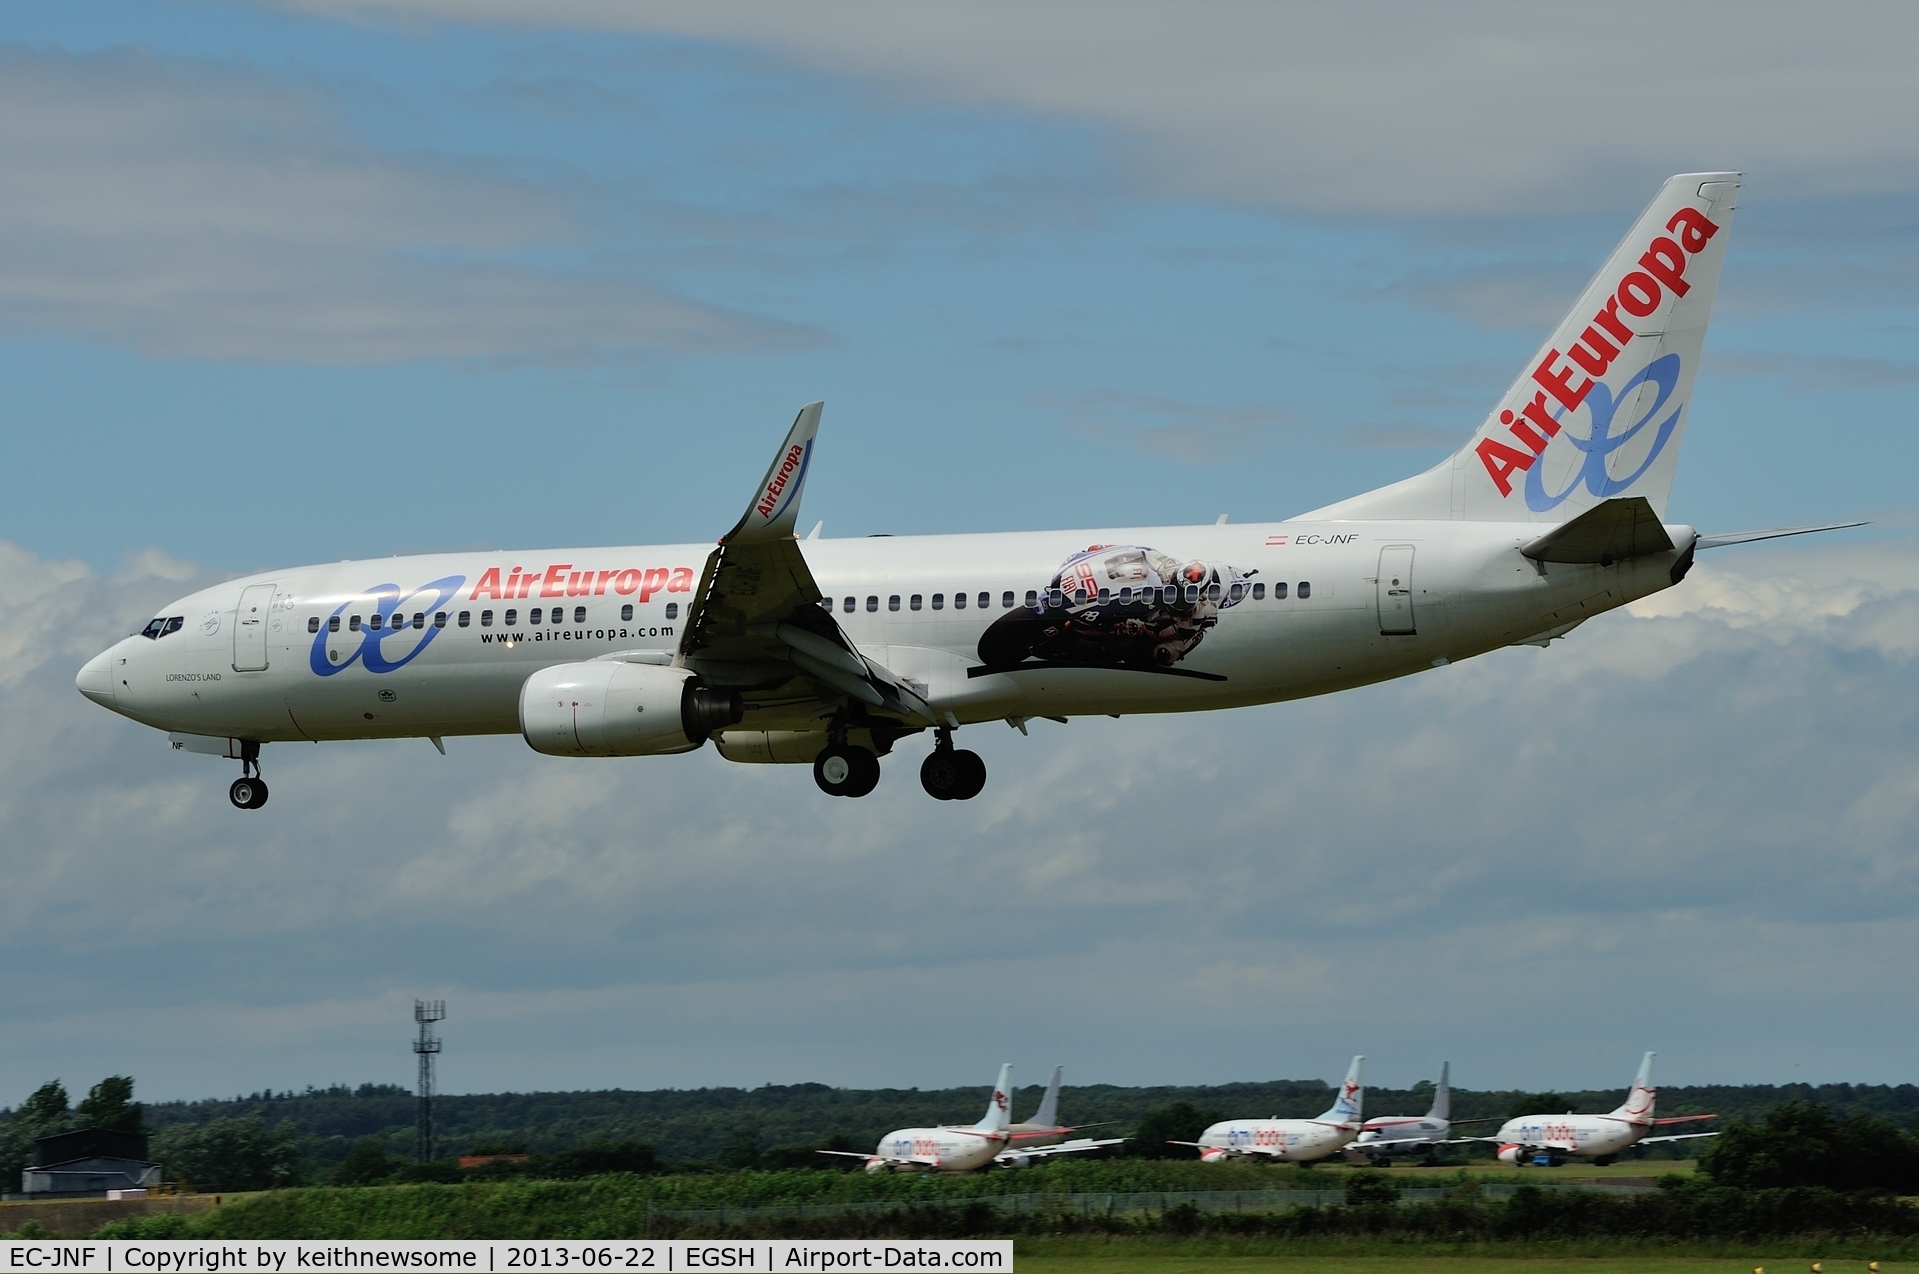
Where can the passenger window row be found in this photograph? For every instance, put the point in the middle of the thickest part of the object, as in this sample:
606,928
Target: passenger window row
557,615
1167,595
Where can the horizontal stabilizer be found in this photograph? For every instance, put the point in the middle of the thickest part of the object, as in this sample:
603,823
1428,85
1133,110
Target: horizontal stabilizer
1747,537
1609,532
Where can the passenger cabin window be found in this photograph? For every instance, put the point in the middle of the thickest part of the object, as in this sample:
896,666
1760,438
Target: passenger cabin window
1279,591
939,601
872,602
1259,592
1305,589
959,601
333,623
313,623
915,601
1006,601
533,616
893,602
439,619
851,604
1105,595
672,610
1212,592
579,614
353,624
466,619
419,619
1055,597
375,620
626,613
511,618
985,600
1032,599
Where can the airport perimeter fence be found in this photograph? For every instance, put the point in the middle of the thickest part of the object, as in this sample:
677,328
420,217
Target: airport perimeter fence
1121,1203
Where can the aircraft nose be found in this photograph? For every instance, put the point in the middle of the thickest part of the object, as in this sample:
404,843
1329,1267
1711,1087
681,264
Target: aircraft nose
95,681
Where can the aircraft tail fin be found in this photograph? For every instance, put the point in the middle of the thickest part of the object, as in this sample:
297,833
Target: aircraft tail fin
1598,412
1048,1113
1443,1095
999,1110
1639,1102
1348,1107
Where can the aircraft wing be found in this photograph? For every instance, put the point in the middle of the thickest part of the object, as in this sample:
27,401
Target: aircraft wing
1678,1136
1271,1152
929,1161
1076,1146
756,620
1747,537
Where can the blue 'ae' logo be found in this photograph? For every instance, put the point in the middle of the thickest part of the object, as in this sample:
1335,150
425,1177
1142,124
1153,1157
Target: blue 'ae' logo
388,601
1599,446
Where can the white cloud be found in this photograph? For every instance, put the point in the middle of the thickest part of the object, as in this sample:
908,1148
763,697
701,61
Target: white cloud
193,210
1384,107
1701,809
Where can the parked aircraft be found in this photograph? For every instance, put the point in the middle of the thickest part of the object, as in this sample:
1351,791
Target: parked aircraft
1288,1140
1043,1133
962,1148
829,652
1549,1140
1387,1137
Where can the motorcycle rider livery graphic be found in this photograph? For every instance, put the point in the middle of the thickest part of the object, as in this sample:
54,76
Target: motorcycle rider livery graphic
1119,606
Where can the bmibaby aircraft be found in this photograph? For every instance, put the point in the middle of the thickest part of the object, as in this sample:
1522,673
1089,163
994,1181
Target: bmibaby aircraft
1387,1137
1288,1140
829,652
953,1148
1548,1140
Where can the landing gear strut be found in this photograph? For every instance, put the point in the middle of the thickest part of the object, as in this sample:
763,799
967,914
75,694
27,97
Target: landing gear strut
249,791
952,774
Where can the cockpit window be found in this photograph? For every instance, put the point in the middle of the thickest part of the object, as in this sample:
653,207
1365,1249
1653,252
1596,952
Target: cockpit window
158,628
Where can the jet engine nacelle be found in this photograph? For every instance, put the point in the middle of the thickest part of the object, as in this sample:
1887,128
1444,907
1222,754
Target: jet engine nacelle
610,708
1512,1154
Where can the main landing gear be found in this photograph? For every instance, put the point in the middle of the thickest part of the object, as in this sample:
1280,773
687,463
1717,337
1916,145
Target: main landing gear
249,791
845,770
952,774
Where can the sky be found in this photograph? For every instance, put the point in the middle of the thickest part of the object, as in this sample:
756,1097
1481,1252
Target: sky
290,282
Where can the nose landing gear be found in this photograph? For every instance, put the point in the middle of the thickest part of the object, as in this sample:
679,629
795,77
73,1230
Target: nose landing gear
952,774
249,791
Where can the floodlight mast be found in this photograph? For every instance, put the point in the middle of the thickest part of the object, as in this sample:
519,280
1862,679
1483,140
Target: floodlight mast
426,1012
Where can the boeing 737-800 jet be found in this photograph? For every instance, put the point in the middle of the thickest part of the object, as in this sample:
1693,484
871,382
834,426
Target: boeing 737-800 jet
1289,1140
1549,1140
828,652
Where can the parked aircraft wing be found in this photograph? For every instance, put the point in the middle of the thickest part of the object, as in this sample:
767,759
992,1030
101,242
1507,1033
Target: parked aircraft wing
926,1161
1271,1152
1678,1136
757,608
1747,537
1684,1119
1076,1146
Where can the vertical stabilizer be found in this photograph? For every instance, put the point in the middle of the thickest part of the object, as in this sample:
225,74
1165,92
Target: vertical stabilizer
999,1111
1598,412
1443,1095
1639,1102
1347,1107
1047,1116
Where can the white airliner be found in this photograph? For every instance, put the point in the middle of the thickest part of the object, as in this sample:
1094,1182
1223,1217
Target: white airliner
952,1148
1548,1140
1386,1137
1044,1134
829,652
1289,1140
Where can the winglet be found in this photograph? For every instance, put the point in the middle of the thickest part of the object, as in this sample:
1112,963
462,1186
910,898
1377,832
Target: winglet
999,1111
776,504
